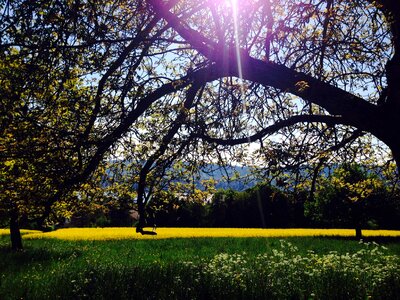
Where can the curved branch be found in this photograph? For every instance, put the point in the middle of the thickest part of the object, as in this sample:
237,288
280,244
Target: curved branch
330,120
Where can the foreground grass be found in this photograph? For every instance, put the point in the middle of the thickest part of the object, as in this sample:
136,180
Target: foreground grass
201,268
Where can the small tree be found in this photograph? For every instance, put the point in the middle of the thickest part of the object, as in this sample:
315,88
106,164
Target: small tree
342,198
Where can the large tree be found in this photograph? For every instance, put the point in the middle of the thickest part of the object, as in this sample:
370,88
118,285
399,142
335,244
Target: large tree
85,75
76,78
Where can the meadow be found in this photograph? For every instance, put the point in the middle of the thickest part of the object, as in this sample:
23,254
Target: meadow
187,263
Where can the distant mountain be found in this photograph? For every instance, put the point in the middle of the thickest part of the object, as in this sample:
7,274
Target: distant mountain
238,178
230,177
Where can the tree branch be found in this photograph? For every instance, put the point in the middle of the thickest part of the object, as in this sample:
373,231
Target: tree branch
330,120
201,76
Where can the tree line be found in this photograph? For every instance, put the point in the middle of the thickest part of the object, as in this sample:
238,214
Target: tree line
349,197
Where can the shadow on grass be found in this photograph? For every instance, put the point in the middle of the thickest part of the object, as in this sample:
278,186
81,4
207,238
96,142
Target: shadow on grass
376,239
32,254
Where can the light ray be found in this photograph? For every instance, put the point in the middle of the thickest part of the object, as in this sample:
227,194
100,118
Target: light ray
235,13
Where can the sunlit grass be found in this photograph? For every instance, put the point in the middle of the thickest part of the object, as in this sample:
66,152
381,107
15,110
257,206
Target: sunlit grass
128,233
201,268
238,267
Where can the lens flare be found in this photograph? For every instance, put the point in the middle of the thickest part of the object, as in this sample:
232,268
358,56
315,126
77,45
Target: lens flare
236,34
235,14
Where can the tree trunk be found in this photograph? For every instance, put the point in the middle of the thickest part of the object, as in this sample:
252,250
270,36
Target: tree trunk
358,232
358,208
396,157
140,199
15,234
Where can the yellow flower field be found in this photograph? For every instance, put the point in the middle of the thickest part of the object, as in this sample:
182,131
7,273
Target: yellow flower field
123,233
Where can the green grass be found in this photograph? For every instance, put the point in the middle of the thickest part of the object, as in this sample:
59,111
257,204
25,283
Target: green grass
194,268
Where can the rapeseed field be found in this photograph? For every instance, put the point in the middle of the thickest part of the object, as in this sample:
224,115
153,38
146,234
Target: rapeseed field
126,233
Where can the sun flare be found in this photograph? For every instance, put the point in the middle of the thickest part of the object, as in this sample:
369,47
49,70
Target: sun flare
235,14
